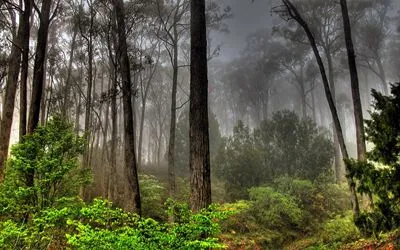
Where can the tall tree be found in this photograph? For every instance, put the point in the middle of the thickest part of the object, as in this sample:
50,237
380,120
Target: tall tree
289,12
39,65
129,137
355,91
200,180
24,69
12,83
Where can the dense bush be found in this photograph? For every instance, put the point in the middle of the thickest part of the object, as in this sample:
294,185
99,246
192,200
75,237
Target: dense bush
286,210
380,176
283,145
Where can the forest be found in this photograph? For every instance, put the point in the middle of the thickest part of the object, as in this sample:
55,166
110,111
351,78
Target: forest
200,124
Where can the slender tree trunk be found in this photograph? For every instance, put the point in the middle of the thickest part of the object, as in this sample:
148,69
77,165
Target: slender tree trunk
66,101
130,159
88,106
200,180
171,147
296,15
105,157
24,70
338,158
355,91
114,134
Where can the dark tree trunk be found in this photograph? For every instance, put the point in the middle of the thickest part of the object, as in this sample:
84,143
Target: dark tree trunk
171,147
296,15
38,68
355,91
88,106
11,87
129,137
114,134
200,180
24,70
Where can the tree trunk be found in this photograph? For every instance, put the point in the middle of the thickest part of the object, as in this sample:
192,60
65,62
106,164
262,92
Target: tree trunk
129,137
39,69
355,91
24,70
171,147
88,106
295,15
114,134
200,180
64,111
338,158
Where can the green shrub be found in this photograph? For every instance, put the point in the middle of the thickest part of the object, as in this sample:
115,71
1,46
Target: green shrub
42,169
152,192
100,226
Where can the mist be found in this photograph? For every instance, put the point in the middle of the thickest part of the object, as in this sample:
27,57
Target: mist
199,124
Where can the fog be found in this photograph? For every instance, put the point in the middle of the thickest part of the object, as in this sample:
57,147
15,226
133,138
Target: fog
287,120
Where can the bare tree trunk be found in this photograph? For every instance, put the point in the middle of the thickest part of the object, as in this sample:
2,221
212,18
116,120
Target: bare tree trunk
296,15
200,180
114,134
24,70
88,106
355,91
171,147
338,158
129,136
105,157
64,111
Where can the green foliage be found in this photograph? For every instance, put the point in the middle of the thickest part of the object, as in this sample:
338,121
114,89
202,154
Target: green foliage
152,192
333,234
286,210
284,145
381,175
100,226
294,146
339,230
50,157
239,163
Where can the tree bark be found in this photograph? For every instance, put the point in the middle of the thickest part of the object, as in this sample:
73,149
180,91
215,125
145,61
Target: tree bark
24,70
200,180
129,137
355,91
38,68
